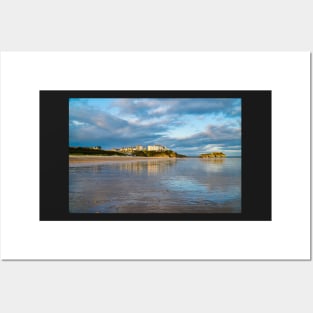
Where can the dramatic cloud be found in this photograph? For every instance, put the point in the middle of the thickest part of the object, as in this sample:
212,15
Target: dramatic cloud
163,106
188,126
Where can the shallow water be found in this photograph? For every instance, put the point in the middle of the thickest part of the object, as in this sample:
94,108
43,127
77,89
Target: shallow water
190,185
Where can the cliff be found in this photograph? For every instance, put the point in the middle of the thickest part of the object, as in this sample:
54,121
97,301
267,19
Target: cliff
159,154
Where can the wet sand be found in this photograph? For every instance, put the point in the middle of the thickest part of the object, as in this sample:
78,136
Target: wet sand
99,184
76,159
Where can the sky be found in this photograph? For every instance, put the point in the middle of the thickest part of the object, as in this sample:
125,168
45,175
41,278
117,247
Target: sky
187,126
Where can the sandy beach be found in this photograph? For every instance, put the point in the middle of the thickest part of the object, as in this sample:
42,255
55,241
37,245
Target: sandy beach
76,159
100,184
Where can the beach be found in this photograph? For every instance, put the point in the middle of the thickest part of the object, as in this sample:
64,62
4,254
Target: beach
76,159
99,184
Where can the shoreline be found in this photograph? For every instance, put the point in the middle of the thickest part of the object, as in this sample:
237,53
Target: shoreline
74,159
92,159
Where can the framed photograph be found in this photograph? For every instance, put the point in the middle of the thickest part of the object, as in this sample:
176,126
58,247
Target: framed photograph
155,156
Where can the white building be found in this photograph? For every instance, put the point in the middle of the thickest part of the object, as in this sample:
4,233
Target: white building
139,148
142,148
157,148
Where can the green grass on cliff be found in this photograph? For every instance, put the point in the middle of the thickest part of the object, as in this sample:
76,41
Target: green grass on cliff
161,154
90,151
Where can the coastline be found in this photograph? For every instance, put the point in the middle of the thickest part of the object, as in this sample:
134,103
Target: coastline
76,159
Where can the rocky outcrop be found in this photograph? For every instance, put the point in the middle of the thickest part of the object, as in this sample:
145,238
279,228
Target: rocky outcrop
213,155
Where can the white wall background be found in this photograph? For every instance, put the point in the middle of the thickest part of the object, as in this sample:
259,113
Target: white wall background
46,286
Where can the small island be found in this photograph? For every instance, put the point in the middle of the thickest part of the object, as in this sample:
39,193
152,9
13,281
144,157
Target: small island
213,155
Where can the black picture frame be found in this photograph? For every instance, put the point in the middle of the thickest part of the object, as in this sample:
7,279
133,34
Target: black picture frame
256,155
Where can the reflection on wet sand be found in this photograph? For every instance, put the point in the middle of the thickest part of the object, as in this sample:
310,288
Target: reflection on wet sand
213,160
157,186
150,167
